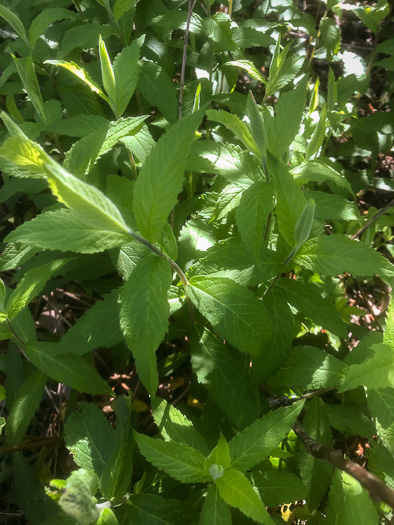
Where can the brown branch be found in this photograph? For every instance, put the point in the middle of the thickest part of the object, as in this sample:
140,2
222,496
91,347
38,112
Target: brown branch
372,220
30,445
378,490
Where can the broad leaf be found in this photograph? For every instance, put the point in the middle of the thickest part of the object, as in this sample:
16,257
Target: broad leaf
160,179
178,460
149,509
225,374
381,406
278,487
70,369
174,426
374,373
77,498
234,312
349,421
89,437
42,21
144,315
310,368
235,489
254,443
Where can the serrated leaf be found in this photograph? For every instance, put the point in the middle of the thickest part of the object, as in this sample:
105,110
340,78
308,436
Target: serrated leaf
31,284
14,22
215,511
97,328
307,299
249,67
237,126
388,336
332,206
116,475
24,406
254,443
126,73
26,71
335,254
144,315
157,87
78,125
83,155
315,473
318,134
160,179
310,368
381,407
149,509
256,204
234,312
63,230
291,201
318,171
219,457
278,487
178,460
283,69
304,224
349,421
376,372
77,498
174,426
224,373
84,36
235,489
89,437
69,369
45,19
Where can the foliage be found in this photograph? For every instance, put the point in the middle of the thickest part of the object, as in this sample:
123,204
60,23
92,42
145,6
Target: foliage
188,231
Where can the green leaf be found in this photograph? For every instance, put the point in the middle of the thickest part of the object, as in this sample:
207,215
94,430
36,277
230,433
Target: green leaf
316,473
44,20
107,517
97,328
349,503
381,407
26,71
277,487
83,36
215,510
63,230
70,369
84,154
121,7
149,509
318,134
126,73
160,179
257,125
283,69
178,460
310,368
249,67
235,489
349,421
256,204
31,284
388,336
335,254
304,224
254,444
157,87
290,202
374,373
14,22
226,375
234,312
77,499
144,315
174,426
107,74
237,126
332,206
89,437
330,34
285,125
307,299
81,74
317,171
118,468
219,457
24,406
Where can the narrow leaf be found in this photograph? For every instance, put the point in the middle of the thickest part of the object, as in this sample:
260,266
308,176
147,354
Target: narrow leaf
215,511
144,315
178,460
126,73
107,73
161,177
